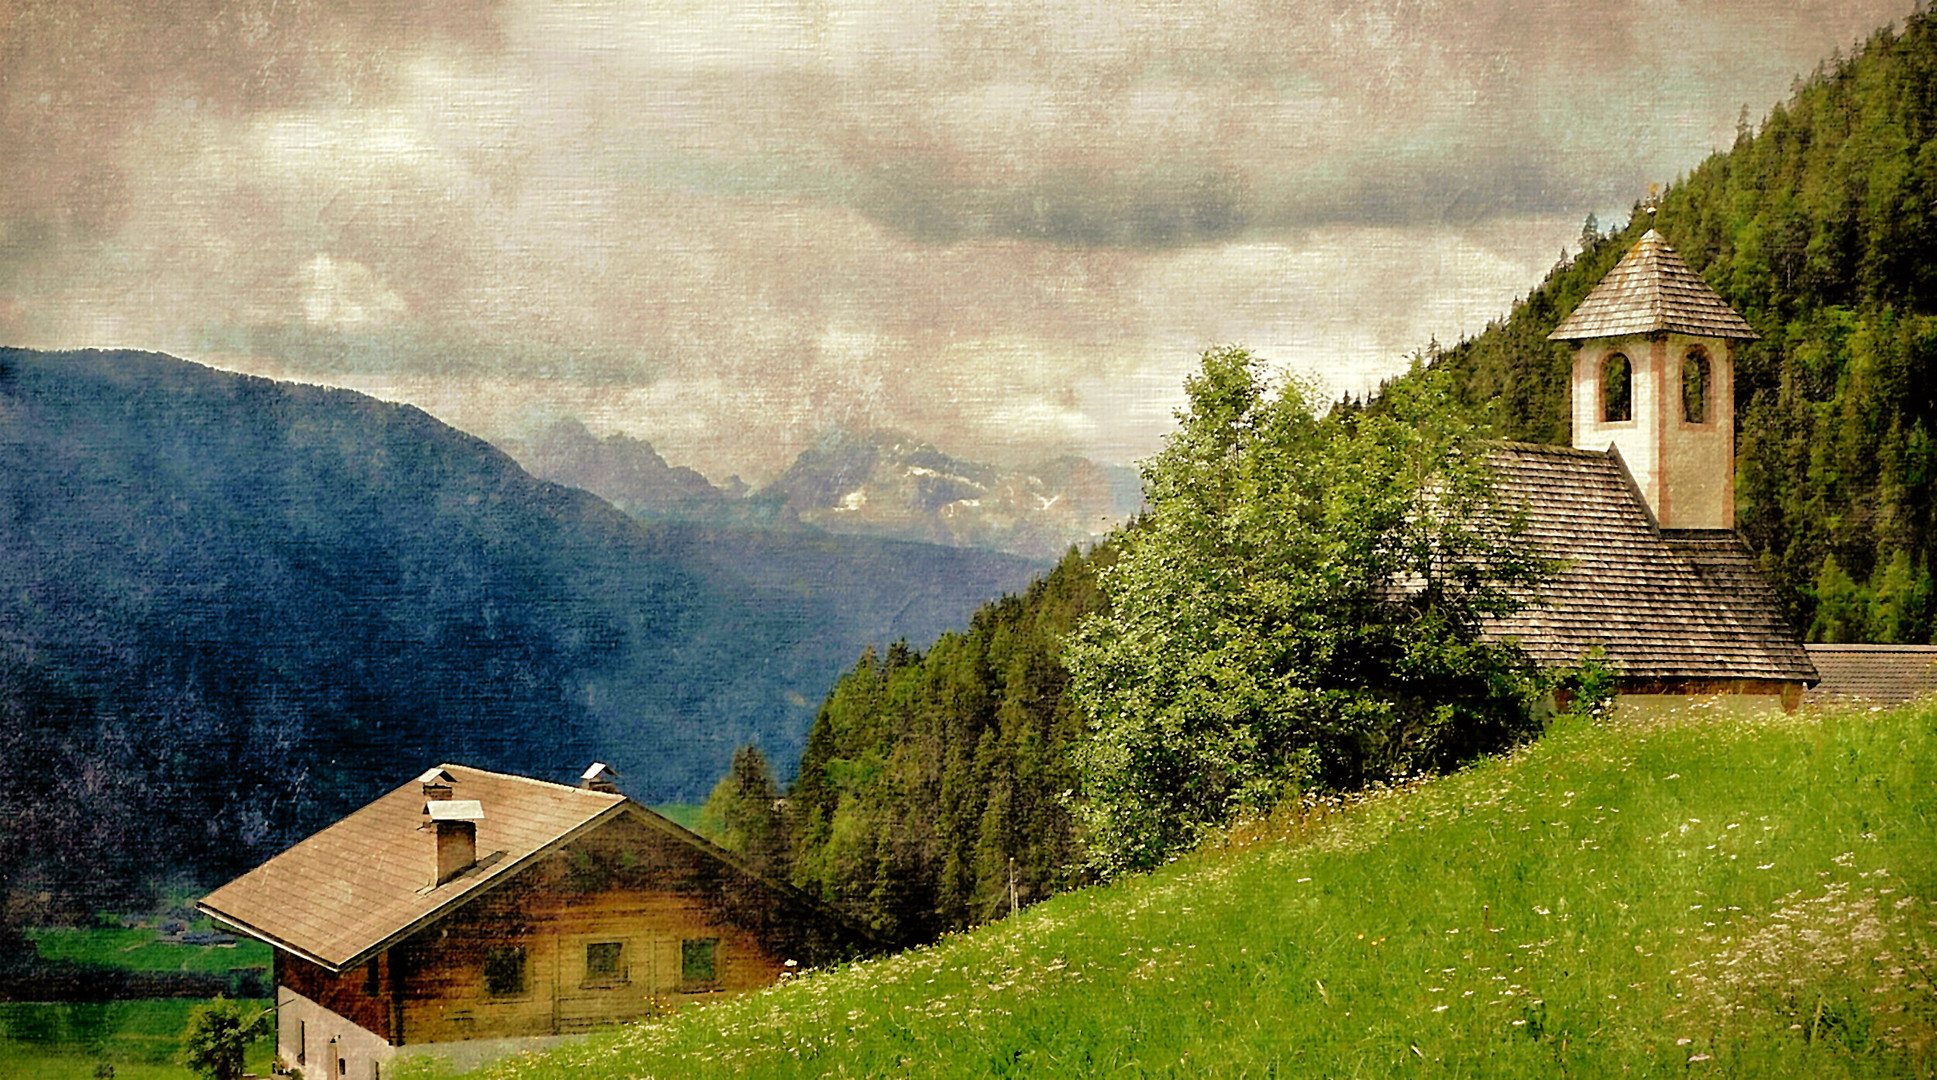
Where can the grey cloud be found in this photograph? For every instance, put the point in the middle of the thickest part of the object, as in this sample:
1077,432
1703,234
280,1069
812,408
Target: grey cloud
448,351
1165,205
78,77
1169,127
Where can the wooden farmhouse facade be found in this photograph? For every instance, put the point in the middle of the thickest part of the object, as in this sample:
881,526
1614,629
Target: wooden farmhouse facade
1639,514
472,913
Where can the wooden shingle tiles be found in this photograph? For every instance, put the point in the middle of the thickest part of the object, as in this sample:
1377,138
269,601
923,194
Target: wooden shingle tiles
1880,674
1652,290
368,879
1662,606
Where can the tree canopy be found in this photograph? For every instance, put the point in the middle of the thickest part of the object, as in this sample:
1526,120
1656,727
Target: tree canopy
1300,606
219,1034
744,815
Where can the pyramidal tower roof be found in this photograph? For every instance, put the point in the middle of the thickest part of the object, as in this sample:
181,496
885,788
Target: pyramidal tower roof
1652,290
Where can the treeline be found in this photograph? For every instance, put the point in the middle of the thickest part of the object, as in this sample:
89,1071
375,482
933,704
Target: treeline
933,782
1821,229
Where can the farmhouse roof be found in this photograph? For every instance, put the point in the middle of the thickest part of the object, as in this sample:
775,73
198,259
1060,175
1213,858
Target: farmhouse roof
367,881
1661,604
1652,290
1883,674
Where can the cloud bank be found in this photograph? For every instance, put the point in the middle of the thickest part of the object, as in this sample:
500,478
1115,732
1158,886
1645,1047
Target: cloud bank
722,227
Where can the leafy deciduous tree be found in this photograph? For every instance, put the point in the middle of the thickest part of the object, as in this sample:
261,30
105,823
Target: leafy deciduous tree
1301,606
218,1035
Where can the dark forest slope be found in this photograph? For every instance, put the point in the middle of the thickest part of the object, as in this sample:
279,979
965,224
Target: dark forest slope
231,609
1821,229
933,783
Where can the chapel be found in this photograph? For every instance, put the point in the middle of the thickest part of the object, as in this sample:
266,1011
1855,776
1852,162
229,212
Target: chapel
1639,513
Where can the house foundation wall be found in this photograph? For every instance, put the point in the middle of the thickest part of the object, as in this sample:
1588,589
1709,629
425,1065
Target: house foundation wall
469,1054
324,1044
1718,697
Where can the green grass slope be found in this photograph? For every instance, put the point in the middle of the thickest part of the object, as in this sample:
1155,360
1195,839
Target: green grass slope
1693,895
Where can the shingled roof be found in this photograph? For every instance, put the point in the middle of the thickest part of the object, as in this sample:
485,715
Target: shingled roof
367,881
1883,674
1669,605
1652,290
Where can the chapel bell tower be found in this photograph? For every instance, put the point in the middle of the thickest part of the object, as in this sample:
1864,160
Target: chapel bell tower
1654,377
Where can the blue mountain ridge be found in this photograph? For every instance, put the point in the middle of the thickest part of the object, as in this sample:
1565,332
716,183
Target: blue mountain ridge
232,609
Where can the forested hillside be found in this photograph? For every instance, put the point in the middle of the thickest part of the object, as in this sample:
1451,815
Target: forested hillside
1821,229
928,778
1239,645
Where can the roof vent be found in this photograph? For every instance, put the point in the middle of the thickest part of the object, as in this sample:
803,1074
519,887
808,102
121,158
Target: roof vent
456,824
600,777
437,783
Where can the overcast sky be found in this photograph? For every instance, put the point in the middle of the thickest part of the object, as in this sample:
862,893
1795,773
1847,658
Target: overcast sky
1008,227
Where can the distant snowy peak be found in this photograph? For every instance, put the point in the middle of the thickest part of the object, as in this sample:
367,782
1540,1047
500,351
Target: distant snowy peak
880,483
891,484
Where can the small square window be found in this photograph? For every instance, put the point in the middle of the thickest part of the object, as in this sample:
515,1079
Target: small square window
504,971
604,961
699,962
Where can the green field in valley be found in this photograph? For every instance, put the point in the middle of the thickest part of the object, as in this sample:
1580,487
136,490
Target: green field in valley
141,949
138,1039
1693,895
685,815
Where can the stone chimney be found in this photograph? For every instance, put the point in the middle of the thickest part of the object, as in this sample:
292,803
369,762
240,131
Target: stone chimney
600,777
455,821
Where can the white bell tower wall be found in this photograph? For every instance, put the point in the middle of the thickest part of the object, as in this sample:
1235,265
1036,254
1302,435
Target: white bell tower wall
1684,464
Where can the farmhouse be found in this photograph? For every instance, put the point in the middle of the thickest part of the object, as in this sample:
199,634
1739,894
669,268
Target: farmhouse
471,913
1640,513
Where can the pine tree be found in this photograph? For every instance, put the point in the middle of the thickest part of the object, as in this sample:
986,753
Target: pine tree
744,814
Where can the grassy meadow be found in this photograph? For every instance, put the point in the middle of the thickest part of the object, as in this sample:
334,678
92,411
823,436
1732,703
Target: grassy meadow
138,1039
139,950
685,815
1683,896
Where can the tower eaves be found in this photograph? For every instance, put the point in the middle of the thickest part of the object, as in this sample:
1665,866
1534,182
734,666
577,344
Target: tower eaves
1652,290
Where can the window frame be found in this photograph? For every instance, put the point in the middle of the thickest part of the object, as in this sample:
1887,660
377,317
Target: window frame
690,985
1699,356
1627,388
619,975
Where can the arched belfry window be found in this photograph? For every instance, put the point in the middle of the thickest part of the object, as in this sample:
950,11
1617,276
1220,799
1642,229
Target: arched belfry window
1617,398
1694,387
